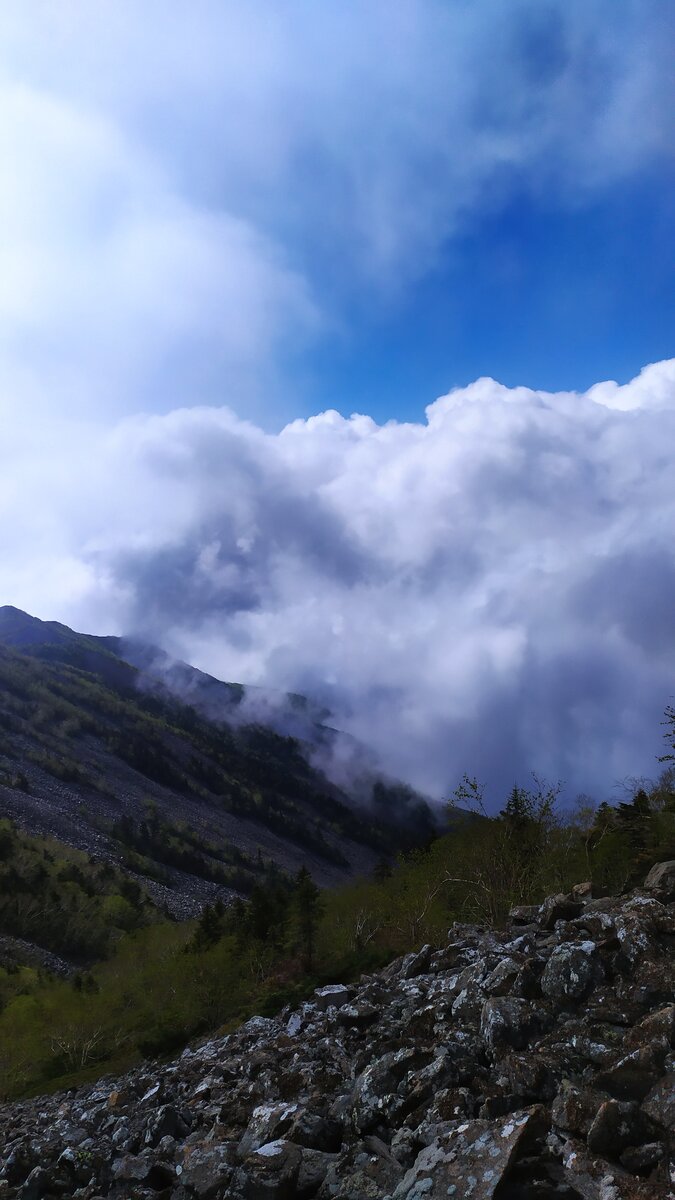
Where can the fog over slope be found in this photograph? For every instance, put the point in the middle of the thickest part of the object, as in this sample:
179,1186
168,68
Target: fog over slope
489,591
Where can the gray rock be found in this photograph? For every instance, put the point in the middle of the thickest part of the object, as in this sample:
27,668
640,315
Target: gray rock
659,1104
661,881
268,1123
571,972
207,1170
332,996
634,1075
471,1159
508,1022
271,1172
558,908
616,1126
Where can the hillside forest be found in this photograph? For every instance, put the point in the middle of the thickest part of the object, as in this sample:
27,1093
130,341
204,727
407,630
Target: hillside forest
145,983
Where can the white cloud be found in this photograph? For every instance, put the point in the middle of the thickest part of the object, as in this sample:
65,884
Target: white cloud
190,192
488,591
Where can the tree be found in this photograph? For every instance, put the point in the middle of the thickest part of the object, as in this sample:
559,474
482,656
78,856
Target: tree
308,907
669,735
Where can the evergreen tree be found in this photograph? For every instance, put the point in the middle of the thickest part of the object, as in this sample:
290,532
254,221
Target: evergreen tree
308,907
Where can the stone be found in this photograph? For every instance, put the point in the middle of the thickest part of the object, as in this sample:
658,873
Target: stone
640,1160
500,981
661,881
659,1025
271,1172
524,914
207,1170
39,1183
359,1015
574,1109
616,1126
659,1104
634,1075
508,1022
558,908
131,1167
471,1159
571,972
332,996
268,1123
314,1166
408,1077
416,964
582,891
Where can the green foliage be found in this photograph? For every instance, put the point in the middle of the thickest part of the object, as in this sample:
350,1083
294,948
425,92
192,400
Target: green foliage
63,901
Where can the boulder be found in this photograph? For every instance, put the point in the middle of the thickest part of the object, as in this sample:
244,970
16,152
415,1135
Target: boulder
558,908
571,972
508,1022
616,1126
659,1104
634,1075
271,1172
660,881
471,1159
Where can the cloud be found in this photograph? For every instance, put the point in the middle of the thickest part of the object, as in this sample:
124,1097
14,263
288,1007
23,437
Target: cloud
194,192
488,591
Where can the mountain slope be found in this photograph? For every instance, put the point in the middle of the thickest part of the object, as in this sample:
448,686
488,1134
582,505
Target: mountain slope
96,751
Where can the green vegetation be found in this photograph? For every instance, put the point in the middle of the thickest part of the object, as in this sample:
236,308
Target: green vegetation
62,900
153,840
164,983
85,731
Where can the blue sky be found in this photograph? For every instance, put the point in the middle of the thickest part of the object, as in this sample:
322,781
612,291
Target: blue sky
283,208
547,298
221,221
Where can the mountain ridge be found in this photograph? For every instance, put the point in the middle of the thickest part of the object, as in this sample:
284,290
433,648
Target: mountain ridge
100,753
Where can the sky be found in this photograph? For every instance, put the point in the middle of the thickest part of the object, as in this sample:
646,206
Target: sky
226,229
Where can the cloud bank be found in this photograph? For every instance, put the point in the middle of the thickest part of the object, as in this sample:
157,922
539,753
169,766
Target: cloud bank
489,591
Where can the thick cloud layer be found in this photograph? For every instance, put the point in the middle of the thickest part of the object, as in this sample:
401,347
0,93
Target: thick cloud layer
490,591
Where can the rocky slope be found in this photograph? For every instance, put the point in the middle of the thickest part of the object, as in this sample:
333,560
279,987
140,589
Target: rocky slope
527,1064
103,755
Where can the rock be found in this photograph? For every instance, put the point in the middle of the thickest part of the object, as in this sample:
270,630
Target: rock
207,1170
268,1123
571,972
416,964
524,914
661,881
633,1076
500,981
640,1160
574,1109
360,1174
39,1183
582,891
131,1167
314,1166
659,1104
271,1172
659,1025
165,1122
616,1126
531,1077
359,1015
471,1159
508,1021
558,908
332,996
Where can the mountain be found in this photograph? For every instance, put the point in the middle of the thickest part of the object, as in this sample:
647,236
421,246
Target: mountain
192,786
